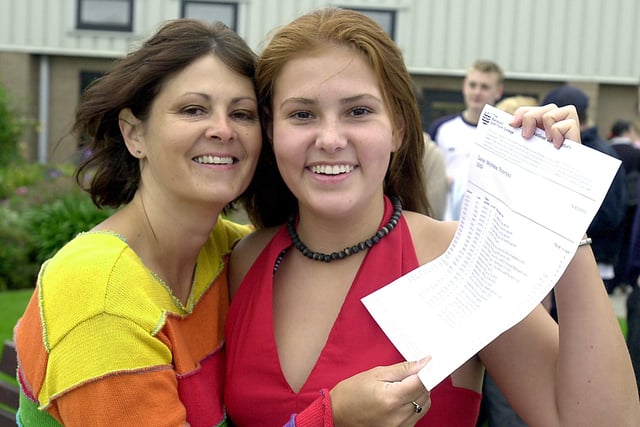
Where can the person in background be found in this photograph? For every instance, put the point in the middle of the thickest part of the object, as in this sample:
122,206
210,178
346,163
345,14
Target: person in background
633,263
338,201
435,178
633,299
458,186
435,174
623,131
125,326
606,230
454,135
622,139
512,103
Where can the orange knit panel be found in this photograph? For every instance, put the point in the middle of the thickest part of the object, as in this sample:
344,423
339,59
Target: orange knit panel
112,400
194,338
32,356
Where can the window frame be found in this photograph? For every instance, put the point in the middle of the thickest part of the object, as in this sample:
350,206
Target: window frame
234,6
392,12
86,77
83,25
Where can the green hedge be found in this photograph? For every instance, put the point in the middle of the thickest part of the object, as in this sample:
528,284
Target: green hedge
41,208
12,126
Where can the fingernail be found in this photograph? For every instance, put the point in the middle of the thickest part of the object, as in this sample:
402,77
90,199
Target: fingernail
425,360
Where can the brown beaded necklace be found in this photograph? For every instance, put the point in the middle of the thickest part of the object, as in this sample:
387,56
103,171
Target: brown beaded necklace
365,244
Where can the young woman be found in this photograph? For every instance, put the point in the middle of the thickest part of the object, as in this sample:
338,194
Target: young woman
125,326
341,161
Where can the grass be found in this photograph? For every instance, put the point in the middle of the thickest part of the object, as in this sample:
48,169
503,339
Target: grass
623,326
12,305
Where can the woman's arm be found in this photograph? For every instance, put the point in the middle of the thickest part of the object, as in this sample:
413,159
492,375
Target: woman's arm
576,372
149,397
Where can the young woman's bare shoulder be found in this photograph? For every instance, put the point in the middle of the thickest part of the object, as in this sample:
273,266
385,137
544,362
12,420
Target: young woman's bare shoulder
245,253
430,237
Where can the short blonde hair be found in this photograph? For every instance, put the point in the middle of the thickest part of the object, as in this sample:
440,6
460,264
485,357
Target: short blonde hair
486,66
512,103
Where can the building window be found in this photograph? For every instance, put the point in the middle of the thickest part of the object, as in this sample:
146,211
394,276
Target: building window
439,103
110,15
386,18
86,78
211,11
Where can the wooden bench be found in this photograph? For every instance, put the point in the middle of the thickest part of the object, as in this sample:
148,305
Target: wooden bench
9,393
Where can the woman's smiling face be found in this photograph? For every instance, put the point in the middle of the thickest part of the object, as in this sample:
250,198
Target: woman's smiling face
331,132
202,138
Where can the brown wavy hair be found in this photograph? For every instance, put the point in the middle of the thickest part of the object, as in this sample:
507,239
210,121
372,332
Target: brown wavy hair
268,201
134,82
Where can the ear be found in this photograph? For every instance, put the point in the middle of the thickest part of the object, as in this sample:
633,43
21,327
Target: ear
131,130
398,135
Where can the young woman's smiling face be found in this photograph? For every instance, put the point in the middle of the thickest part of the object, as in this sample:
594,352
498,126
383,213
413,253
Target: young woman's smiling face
331,132
202,138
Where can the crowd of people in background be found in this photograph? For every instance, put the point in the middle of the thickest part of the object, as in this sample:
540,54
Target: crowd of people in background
615,230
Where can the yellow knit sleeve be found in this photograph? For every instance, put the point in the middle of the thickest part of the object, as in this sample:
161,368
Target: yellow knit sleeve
99,308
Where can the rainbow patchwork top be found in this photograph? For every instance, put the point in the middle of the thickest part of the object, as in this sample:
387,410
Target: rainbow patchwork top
104,342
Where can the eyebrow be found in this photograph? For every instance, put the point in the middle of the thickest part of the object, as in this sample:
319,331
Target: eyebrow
208,97
297,100
361,97
344,101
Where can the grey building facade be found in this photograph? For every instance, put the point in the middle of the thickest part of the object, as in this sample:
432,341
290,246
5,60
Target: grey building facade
50,49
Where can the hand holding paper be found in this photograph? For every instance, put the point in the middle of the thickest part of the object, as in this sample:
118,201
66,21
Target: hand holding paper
526,208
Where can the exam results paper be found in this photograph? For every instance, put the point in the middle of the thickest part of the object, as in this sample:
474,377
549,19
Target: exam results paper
526,208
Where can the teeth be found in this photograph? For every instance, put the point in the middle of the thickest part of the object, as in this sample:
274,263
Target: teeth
331,170
214,160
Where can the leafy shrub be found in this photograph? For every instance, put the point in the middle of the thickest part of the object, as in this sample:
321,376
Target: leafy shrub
29,185
41,209
11,129
54,224
17,264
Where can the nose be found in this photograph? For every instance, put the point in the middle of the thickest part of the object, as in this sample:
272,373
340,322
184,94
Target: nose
219,127
331,137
